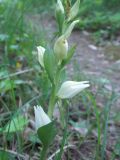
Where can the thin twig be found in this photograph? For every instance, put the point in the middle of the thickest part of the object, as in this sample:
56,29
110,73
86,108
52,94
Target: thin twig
25,157
65,147
16,73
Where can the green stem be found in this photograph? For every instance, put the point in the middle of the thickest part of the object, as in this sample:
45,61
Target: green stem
52,102
62,145
53,94
43,153
59,155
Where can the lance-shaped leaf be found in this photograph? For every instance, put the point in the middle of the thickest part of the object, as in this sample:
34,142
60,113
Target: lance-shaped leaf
49,63
70,28
74,10
69,56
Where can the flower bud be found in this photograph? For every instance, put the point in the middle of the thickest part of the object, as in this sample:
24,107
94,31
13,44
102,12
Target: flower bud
71,88
41,51
60,16
70,28
59,7
61,48
41,118
74,10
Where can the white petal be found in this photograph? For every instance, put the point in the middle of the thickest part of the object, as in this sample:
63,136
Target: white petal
41,118
71,88
41,51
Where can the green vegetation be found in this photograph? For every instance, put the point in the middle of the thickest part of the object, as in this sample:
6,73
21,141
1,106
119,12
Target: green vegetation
22,84
100,15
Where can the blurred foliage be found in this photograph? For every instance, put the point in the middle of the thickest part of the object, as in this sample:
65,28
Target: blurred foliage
111,4
100,15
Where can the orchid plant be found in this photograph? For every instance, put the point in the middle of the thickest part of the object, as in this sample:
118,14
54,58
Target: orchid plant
53,63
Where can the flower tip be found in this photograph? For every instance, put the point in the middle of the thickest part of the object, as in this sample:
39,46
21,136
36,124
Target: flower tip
41,51
41,118
60,6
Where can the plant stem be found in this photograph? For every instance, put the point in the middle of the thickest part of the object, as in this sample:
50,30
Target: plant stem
62,145
52,102
58,157
43,153
53,94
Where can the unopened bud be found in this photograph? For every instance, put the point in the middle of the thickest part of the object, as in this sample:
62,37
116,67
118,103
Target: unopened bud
74,10
41,51
59,7
61,48
60,15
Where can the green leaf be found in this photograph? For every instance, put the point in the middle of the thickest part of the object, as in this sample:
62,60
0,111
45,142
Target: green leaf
47,133
60,20
62,76
70,29
16,124
3,73
117,148
7,85
4,155
69,56
49,62
1,130
74,10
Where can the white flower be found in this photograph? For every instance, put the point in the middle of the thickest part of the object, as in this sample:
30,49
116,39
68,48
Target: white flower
41,51
71,88
61,48
41,118
74,10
